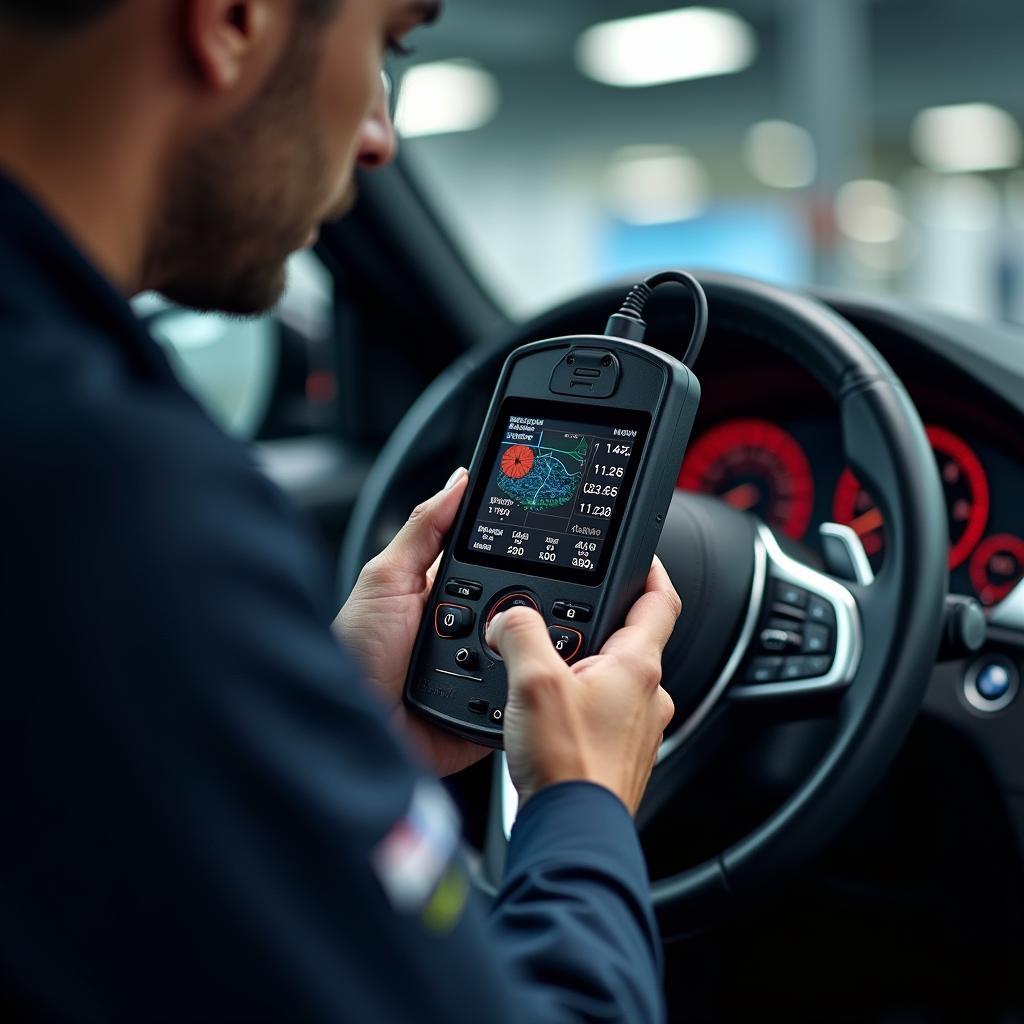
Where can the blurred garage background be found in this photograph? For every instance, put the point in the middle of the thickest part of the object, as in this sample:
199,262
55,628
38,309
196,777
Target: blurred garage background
866,144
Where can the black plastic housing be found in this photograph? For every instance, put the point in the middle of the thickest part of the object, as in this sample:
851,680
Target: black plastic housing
636,382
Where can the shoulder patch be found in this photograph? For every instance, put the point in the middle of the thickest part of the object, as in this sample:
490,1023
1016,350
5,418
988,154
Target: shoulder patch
415,857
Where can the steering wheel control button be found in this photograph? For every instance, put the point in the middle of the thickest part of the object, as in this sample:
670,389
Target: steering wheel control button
466,589
817,639
820,612
567,641
452,621
816,665
570,611
789,593
764,670
780,641
793,668
991,683
467,658
479,707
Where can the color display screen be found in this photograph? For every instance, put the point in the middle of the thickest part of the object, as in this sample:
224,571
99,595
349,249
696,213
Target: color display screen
555,493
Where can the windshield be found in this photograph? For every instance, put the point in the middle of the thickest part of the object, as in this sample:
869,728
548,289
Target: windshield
866,145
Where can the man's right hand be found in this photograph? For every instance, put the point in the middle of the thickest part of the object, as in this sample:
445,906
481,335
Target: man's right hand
598,721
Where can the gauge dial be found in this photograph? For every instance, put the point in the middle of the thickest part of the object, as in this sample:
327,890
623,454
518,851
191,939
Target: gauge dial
997,567
967,501
754,466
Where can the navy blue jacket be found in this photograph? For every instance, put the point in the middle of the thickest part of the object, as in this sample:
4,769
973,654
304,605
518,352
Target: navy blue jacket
206,815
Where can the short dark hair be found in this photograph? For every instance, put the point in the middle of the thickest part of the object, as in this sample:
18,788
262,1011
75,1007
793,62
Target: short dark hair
62,15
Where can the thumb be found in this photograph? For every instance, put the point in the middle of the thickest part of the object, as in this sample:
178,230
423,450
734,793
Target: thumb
419,542
521,638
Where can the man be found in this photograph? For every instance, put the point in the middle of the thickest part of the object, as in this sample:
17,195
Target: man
207,813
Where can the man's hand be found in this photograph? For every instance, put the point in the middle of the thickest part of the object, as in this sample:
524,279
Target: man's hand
598,721
382,616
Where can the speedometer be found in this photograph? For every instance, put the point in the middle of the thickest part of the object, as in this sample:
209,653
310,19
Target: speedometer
755,466
967,500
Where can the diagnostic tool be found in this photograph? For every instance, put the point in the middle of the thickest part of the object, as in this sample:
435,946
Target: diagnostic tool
569,488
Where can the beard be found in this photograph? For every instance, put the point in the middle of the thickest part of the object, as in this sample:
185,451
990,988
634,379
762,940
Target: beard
244,198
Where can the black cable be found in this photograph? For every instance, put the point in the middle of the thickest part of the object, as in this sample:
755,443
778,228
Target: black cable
629,323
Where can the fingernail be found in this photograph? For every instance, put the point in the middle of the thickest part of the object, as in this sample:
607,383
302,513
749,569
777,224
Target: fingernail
455,478
491,624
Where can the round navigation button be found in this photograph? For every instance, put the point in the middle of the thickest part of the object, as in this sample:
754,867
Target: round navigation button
515,599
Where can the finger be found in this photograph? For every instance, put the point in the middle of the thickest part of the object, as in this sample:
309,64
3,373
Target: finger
420,541
652,619
521,638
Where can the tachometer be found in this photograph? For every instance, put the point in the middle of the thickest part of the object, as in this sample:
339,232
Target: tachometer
997,567
967,500
755,466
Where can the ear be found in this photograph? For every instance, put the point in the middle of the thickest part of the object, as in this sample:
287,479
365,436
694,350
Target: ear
231,40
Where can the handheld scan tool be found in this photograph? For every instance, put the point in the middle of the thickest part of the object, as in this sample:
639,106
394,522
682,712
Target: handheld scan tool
569,488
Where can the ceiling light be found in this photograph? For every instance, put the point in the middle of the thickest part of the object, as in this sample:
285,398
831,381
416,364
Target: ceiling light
656,185
695,42
966,137
781,154
870,212
445,96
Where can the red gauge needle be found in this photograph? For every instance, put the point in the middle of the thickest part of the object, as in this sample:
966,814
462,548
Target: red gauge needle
744,497
866,523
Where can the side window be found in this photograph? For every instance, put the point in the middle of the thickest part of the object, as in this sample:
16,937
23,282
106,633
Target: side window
270,376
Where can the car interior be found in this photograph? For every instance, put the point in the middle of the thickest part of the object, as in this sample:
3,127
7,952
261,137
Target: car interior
846,849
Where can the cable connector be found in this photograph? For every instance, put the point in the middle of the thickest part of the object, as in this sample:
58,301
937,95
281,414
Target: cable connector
629,324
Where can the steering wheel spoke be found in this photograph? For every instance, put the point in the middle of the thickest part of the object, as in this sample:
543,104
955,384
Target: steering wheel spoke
808,636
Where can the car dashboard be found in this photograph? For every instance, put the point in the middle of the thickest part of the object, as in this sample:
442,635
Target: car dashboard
768,441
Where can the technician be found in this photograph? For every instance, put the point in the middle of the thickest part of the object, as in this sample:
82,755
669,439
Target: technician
212,808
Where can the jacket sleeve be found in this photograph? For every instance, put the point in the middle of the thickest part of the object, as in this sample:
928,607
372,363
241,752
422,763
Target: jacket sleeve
213,819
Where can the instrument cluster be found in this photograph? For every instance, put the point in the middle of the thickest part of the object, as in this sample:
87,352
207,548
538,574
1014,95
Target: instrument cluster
791,473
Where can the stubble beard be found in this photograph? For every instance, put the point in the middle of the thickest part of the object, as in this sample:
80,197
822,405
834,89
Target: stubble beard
244,198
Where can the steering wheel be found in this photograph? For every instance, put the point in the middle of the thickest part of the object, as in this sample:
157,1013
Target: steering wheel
881,633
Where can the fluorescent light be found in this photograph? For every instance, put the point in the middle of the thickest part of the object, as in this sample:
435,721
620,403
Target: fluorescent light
647,185
870,212
445,96
966,137
781,154
695,42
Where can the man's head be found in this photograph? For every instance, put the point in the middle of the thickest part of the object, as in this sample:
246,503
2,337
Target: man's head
266,108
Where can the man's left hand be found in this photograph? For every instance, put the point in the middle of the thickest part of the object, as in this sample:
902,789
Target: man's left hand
381,619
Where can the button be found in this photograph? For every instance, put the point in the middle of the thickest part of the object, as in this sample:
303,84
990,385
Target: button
517,600
780,640
993,681
466,658
497,715
764,670
452,620
479,707
567,641
789,611
571,611
466,589
807,667
793,668
817,639
786,625
788,593
817,665
821,611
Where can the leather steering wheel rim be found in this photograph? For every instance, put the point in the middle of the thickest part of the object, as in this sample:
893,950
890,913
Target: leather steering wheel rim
901,612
